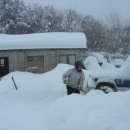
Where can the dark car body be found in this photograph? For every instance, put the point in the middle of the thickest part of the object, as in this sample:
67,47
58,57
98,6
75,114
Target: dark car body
122,83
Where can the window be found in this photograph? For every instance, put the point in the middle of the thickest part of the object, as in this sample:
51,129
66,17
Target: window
71,59
35,63
67,59
2,62
63,59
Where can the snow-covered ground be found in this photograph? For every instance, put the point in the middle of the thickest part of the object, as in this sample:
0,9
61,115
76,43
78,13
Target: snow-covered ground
41,103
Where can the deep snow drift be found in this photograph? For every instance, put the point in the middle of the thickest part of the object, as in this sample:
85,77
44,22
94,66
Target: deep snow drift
41,103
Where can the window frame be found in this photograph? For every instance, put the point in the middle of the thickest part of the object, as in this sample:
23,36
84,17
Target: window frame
67,58
35,62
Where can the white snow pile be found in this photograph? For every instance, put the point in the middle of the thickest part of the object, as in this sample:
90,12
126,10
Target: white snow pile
95,70
43,40
92,63
41,103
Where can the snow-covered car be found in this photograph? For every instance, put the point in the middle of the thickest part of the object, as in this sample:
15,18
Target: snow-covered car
106,76
118,62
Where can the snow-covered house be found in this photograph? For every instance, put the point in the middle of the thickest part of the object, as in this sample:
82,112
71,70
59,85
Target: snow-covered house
40,52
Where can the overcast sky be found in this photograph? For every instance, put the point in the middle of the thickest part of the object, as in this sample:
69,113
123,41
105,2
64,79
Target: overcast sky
97,8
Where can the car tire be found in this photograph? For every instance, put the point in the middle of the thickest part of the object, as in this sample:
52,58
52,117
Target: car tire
106,87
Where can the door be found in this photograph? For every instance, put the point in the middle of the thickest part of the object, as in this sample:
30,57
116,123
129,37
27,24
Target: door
4,66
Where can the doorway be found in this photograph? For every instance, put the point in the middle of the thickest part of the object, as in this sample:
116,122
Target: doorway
4,66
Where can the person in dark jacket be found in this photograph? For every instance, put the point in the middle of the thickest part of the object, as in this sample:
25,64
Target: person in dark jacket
74,79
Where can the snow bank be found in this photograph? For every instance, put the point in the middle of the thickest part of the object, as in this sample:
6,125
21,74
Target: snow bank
41,103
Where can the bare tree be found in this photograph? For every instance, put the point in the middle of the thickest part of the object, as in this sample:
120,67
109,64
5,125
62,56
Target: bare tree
115,32
72,21
94,31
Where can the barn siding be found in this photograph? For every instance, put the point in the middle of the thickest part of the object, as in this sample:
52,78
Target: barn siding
18,58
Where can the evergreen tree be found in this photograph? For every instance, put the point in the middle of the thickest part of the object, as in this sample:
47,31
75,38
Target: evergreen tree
12,17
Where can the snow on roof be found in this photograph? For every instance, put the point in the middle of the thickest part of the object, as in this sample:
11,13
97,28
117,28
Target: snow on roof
43,40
